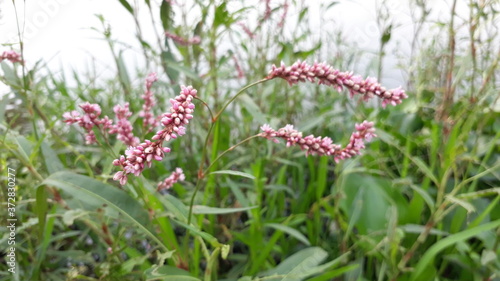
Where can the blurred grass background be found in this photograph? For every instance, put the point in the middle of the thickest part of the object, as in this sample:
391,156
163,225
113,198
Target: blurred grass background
421,203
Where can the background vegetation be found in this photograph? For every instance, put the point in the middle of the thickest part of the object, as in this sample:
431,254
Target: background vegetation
421,203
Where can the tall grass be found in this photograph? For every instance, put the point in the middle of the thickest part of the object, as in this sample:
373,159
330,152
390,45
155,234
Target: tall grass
420,203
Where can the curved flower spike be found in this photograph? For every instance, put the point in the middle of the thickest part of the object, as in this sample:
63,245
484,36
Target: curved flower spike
137,158
322,145
11,56
322,73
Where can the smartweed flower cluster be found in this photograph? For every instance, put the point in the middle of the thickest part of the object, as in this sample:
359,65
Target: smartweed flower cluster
140,155
183,41
322,73
322,145
11,56
176,176
89,120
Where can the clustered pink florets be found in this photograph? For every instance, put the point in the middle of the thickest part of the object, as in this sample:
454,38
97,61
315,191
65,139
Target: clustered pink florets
322,145
167,183
323,73
137,158
88,120
149,120
11,56
183,41
123,128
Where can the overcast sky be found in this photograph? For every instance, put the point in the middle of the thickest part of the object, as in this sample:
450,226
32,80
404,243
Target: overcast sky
58,31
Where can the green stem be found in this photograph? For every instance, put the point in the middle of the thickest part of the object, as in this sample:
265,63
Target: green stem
227,150
198,183
237,94
201,172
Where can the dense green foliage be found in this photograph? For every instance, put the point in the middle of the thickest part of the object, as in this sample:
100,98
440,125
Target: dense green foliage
420,203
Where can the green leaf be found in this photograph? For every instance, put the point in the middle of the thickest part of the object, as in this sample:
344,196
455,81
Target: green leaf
101,195
127,6
249,104
221,15
290,231
50,158
240,197
424,168
368,200
233,173
166,15
217,211
10,76
127,266
320,269
70,216
225,251
41,208
425,261
174,205
122,71
207,237
3,105
173,65
466,205
24,147
386,36
425,195
168,58
298,263
167,272
415,228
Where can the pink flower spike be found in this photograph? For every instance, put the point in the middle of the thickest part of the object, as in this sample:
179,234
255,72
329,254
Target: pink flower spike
11,56
89,120
322,145
323,73
183,41
149,120
141,156
123,128
175,177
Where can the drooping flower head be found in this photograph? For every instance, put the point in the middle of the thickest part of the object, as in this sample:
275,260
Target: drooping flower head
322,73
11,56
123,128
322,145
137,158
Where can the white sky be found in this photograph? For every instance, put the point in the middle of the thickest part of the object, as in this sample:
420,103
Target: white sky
58,31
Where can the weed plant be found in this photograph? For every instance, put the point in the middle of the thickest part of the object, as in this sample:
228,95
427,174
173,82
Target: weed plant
421,202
